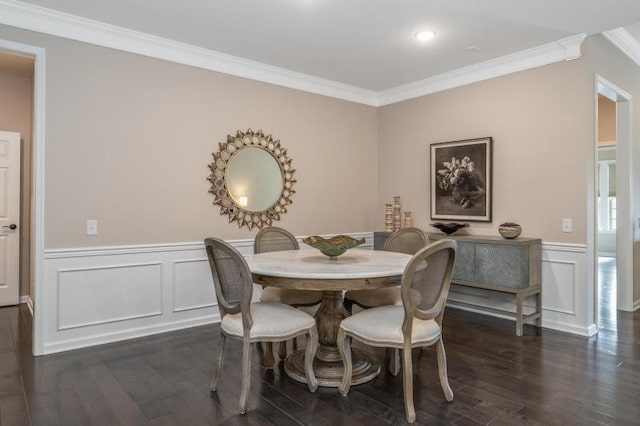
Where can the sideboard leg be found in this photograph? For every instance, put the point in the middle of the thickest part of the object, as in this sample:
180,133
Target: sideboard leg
519,321
539,308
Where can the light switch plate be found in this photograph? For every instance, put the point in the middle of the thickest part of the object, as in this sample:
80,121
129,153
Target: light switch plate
567,225
92,227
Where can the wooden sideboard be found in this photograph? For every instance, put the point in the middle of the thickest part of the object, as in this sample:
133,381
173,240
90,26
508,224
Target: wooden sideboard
495,264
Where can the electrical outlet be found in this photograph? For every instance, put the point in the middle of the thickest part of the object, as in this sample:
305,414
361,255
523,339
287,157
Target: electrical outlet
567,225
92,227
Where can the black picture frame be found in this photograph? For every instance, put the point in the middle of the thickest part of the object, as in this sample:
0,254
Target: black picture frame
461,180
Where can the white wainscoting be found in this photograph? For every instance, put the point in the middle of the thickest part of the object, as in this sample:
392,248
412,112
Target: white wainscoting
565,291
105,294
101,295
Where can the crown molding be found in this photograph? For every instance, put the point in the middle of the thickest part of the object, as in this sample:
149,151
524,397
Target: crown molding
624,41
562,50
47,21
35,18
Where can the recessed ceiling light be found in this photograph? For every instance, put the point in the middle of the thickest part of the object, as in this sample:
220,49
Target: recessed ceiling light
425,35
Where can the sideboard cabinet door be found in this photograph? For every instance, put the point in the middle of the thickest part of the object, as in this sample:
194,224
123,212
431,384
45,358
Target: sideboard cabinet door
464,265
502,265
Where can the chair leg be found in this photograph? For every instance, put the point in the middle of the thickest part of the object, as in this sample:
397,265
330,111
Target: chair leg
394,364
246,374
407,380
442,370
282,350
218,368
290,347
344,347
269,359
309,356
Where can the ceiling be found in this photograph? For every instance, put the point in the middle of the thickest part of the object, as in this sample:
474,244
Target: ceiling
367,44
634,30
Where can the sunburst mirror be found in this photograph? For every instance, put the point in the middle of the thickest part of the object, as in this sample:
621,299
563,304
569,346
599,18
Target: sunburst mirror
252,179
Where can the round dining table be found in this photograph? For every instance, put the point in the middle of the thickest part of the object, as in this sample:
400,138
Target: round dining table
306,269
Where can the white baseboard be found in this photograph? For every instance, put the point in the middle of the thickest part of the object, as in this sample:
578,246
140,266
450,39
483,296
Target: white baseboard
27,299
572,329
636,305
125,334
552,325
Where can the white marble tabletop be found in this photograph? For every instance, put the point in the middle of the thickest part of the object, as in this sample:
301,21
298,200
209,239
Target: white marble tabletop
311,264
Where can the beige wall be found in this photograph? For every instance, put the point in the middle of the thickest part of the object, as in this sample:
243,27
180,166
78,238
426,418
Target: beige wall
615,67
16,105
606,121
537,119
129,140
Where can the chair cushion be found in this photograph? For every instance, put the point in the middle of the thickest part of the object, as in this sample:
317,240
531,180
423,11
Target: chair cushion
290,297
270,320
376,297
383,326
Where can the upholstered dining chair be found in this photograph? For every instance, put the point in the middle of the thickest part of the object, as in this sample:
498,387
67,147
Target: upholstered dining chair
409,241
252,322
278,239
415,323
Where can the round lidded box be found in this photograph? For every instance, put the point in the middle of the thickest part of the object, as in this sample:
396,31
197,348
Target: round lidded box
510,230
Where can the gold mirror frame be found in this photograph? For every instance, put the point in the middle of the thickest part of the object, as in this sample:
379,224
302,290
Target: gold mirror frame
220,186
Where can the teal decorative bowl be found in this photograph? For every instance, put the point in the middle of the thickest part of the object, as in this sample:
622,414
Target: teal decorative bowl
334,246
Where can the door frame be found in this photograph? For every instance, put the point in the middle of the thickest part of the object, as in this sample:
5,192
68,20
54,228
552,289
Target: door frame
38,183
624,210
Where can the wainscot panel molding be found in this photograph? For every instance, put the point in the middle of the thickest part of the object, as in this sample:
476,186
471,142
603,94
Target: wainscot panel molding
52,22
565,293
94,295
98,295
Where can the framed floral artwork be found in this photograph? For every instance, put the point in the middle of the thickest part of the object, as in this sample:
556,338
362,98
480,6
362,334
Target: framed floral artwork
461,180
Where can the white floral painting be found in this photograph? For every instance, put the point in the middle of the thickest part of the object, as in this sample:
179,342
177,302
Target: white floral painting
461,180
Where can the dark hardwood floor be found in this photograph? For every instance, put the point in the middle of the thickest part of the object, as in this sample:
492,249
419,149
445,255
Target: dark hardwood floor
544,377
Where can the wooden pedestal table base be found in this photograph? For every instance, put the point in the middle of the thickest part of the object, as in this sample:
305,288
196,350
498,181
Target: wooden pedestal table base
307,270
329,374
328,365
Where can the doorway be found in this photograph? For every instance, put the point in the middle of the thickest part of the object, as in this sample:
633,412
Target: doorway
613,224
33,184
16,126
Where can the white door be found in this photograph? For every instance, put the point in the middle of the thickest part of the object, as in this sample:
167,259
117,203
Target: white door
9,217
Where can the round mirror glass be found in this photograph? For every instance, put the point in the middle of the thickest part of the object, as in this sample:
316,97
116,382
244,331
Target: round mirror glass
254,179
